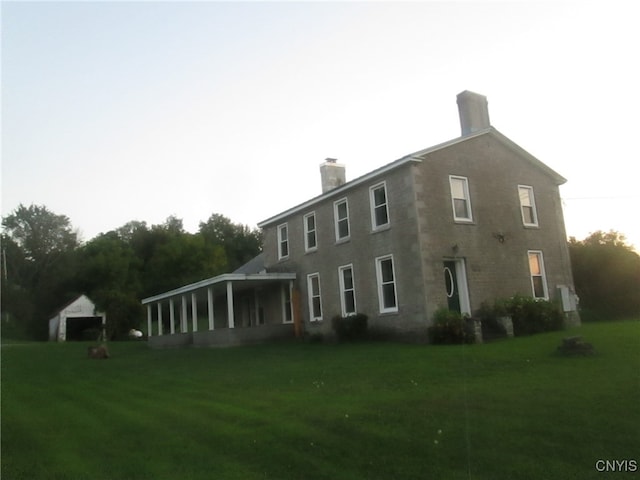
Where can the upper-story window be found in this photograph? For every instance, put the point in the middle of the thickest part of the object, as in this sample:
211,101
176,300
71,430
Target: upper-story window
379,208
283,241
386,277
341,215
347,290
310,239
528,206
538,277
460,199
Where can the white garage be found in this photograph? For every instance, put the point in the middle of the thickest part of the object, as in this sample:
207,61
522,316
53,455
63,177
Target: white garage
76,321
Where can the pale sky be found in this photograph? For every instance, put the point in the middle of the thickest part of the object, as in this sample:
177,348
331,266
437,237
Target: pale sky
117,111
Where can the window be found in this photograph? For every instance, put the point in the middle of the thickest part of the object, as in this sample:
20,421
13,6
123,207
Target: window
386,284
287,316
538,280
379,210
347,290
310,240
315,304
341,214
283,241
460,199
528,206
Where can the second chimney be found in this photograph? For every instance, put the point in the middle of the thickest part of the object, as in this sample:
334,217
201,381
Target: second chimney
332,174
474,112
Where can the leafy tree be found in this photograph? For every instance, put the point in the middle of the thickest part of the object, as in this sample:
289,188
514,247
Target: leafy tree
39,232
182,259
38,246
240,242
606,273
109,272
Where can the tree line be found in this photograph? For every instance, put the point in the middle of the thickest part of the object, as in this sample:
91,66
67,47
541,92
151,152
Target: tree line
45,266
606,274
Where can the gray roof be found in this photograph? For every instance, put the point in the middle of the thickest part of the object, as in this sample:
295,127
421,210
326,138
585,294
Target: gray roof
418,157
255,265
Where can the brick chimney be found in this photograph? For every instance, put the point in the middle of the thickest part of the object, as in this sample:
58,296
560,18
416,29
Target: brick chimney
474,112
332,174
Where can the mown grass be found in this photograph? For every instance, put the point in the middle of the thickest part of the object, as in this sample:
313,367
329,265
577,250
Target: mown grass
510,409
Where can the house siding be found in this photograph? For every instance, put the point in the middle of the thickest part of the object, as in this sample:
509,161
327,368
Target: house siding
400,239
423,234
494,268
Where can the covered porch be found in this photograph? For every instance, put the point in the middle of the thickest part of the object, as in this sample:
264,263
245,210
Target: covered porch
230,309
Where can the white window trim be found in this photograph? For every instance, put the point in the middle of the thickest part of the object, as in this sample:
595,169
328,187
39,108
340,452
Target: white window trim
285,289
310,296
343,290
372,205
379,261
335,218
533,206
467,198
307,248
280,241
543,274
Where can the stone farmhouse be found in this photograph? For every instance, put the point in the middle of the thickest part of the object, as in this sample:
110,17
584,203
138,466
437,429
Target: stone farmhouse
454,225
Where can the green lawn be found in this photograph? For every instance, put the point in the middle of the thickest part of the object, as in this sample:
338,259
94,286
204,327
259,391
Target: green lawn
507,410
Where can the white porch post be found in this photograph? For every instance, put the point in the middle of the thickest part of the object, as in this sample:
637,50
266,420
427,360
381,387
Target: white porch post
194,311
183,314
172,316
291,300
256,309
210,307
159,318
149,332
230,317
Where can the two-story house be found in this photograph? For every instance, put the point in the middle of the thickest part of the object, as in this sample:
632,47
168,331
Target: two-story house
467,221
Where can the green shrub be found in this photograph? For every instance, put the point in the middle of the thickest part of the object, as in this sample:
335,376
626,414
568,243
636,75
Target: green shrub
532,316
450,327
350,328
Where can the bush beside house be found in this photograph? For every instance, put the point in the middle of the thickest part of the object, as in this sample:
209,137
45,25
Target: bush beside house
450,327
528,316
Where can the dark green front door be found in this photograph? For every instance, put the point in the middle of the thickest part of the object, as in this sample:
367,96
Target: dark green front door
451,285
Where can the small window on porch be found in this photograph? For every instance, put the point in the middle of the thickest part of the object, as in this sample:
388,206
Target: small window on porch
287,315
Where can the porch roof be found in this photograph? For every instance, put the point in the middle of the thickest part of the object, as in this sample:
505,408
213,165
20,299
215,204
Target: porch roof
247,280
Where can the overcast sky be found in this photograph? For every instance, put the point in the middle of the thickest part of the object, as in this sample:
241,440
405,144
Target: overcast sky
115,111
